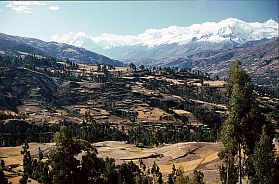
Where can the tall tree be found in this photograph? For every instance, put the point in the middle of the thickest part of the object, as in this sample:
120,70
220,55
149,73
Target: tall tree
62,158
234,131
242,129
27,163
264,157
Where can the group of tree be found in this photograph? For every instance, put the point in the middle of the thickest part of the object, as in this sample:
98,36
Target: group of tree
247,135
73,161
17,131
141,135
47,65
14,132
177,176
150,136
33,61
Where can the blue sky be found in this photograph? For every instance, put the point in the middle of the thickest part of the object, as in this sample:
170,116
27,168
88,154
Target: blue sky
45,19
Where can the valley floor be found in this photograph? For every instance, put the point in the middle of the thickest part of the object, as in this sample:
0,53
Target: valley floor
187,155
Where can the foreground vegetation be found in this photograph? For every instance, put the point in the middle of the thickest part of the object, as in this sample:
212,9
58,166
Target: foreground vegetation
246,131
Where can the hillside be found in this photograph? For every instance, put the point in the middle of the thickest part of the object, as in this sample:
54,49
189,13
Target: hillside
15,44
48,91
168,115
259,58
38,86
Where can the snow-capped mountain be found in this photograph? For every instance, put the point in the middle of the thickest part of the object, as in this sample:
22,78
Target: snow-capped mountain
209,47
230,29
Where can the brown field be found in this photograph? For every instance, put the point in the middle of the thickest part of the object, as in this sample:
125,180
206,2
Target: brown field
216,83
13,159
150,114
189,156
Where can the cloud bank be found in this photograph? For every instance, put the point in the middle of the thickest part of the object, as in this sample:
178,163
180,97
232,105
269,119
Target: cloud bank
27,6
54,8
24,6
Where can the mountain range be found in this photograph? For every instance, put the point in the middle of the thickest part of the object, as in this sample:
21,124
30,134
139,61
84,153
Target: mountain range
209,47
174,41
15,44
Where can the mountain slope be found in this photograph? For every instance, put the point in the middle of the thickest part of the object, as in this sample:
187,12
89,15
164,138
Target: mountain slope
259,58
52,49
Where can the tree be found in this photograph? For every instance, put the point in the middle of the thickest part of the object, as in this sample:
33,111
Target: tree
178,176
40,153
198,177
240,95
157,175
141,67
111,174
23,179
63,161
181,177
130,173
276,171
264,157
99,68
2,164
27,163
241,130
172,175
92,168
132,66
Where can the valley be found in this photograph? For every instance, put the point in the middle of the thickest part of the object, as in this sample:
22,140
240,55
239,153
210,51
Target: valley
145,92
163,115
190,156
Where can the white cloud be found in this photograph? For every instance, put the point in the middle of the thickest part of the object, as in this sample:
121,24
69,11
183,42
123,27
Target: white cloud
54,8
24,6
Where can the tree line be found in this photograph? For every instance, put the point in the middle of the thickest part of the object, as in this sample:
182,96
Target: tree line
17,132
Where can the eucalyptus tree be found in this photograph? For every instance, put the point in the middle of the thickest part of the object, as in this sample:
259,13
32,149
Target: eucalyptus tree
240,121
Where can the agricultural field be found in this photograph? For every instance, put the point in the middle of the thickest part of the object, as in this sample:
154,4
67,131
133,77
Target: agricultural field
189,156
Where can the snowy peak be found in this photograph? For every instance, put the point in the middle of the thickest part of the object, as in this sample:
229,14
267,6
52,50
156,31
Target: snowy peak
231,29
79,39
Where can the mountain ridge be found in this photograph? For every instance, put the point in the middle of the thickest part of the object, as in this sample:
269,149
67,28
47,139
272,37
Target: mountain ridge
164,47
14,44
231,29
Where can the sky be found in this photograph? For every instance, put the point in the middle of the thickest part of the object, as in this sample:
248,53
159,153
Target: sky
43,19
